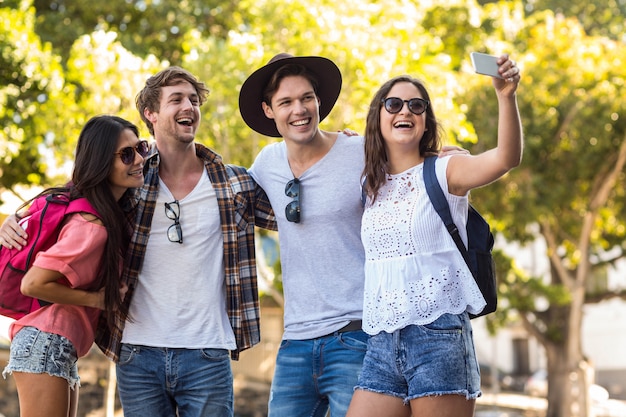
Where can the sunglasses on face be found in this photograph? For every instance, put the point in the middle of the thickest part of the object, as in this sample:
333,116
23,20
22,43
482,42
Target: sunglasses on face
174,232
292,211
127,154
393,105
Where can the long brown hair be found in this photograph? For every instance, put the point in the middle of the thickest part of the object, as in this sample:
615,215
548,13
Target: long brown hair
376,158
93,163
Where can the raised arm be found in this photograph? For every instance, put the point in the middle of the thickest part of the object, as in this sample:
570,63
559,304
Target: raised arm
471,171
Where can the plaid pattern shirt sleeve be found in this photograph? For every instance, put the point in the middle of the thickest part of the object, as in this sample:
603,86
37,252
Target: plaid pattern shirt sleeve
242,205
240,210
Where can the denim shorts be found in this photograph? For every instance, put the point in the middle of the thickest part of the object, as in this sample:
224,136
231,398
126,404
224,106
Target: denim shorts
37,352
423,360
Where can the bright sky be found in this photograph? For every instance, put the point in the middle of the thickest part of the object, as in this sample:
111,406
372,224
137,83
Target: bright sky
4,328
12,202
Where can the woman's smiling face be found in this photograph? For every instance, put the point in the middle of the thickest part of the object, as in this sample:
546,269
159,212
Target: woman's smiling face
403,128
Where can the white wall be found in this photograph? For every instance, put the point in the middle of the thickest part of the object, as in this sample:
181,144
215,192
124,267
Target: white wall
604,334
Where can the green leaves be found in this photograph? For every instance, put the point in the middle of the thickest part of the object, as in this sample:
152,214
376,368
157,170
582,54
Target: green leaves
29,77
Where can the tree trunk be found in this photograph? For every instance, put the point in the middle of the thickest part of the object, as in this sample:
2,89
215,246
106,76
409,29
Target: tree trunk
568,375
109,401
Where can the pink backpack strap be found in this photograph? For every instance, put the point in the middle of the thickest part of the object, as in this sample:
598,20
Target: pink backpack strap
81,205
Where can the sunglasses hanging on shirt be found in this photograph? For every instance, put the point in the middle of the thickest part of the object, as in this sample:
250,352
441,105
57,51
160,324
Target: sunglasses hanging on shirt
292,211
175,231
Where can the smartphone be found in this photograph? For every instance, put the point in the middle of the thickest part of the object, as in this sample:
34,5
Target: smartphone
485,64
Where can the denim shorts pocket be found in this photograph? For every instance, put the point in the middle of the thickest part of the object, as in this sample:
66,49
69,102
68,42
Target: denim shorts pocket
127,354
447,324
354,340
214,354
23,342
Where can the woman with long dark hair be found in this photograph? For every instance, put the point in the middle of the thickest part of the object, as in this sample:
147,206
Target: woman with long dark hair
80,274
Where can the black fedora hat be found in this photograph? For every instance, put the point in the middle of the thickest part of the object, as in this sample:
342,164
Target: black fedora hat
251,94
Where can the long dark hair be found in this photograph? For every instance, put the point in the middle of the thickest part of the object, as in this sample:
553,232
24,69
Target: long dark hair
376,158
93,163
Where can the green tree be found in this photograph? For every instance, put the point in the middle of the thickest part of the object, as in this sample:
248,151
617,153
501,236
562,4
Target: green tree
569,191
598,18
44,106
107,78
144,26
31,78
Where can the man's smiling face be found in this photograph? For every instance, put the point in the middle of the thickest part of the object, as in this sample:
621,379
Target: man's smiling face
295,109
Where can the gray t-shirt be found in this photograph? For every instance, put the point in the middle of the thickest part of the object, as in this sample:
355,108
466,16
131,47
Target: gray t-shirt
322,257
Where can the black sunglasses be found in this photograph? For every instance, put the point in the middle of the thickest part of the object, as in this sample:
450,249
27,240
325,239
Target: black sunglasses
393,105
174,232
292,211
127,154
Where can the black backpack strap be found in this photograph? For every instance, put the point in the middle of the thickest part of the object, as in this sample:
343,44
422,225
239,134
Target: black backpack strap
438,199
363,192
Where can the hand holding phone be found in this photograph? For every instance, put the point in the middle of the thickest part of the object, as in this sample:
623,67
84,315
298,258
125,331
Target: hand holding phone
485,64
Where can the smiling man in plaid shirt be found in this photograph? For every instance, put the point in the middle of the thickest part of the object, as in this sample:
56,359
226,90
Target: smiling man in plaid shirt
191,268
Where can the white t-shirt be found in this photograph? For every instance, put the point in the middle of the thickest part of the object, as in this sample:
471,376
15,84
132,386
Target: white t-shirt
322,256
414,272
176,304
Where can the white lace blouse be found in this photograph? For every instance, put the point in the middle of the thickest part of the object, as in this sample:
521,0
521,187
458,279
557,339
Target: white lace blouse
414,273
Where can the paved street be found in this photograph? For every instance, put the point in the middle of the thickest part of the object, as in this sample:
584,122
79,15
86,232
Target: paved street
505,404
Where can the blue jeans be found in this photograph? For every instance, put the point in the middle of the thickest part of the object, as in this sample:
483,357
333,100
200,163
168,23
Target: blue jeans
175,382
313,374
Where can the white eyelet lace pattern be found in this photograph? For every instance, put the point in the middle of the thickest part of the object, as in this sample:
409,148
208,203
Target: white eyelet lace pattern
413,272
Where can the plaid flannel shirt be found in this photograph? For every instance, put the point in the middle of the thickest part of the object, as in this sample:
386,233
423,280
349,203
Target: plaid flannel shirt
242,205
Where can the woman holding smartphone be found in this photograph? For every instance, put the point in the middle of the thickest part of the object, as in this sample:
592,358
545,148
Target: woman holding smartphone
420,358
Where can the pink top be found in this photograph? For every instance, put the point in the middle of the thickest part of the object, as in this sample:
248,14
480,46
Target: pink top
77,255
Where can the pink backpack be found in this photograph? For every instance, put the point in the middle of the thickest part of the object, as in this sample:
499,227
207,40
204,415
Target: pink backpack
43,226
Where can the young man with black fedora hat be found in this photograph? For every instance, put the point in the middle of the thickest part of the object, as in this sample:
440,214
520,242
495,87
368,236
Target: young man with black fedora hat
312,180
